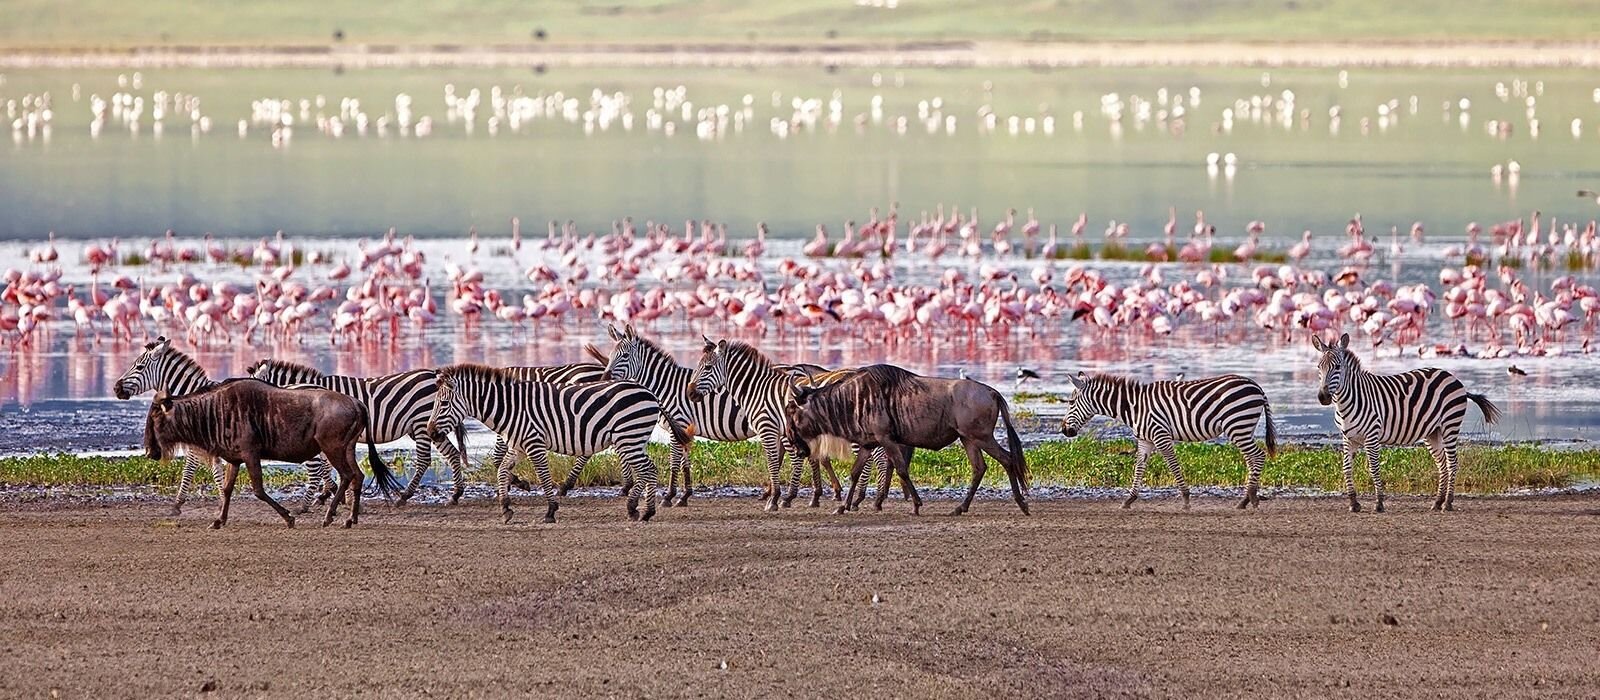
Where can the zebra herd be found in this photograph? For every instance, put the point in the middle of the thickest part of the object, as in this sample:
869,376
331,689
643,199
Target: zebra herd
735,392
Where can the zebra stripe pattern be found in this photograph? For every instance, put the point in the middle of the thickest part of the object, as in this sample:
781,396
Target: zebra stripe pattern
576,373
538,418
760,387
1373,410
398,405
160,368
1164,413
714,416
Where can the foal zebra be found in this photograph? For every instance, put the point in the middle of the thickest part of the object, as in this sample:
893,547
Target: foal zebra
537,418
160,368
1161,413
398,405
1373,410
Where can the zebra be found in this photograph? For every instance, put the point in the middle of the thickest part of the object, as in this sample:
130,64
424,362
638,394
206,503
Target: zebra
575,373
537,418
1373,410
398,405
1164,412
161,368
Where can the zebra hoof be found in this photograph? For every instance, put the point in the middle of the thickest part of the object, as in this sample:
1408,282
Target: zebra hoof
683,502
290,520
667,503
1355,507
788,502
839,510
648,514
916,509
815,503
958,511
507,514
175,511
1450,507
1379,509
770,507
216,524
1243,504
349,524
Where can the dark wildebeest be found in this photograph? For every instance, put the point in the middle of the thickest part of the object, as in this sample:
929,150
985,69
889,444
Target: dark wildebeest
243,421
888,407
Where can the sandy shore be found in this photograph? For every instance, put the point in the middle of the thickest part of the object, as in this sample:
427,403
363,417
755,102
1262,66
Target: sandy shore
949,54
1298,599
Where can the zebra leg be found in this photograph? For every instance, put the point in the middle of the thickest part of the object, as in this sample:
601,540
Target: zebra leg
1170,454
1254,459
1441,468
1454,461
855,484
571,482
646,482
772,446
253,467
458,468
229,475
684,465
1372,468
316,473
816,483
672,474
191,463
502,485
1350,448
796,469
541,466
424,459
1140,459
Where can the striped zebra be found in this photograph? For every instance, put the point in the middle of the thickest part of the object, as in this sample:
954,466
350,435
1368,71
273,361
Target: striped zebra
761,388
1373,410
1162,413
538,418
575,373
161,368
398,406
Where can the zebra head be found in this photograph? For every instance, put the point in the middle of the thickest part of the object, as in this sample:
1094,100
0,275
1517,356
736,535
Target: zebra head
1080,408
449,405
711,375
146,372
627,361
1334,368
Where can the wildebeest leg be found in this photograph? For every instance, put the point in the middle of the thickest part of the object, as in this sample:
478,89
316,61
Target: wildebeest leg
228,478
833,479
1004,456
252,466
979,467
855,483
576,471
344,463
816,482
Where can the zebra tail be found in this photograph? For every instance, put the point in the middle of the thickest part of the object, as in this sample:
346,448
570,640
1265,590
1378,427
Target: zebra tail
461,441
595,353
380,472
1019,462
680,434
1272,432
1491,412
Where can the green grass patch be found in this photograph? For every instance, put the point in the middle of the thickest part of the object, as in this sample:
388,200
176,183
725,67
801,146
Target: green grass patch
135,259
1083,462
1077,251
1576,261
1275,257
1038,396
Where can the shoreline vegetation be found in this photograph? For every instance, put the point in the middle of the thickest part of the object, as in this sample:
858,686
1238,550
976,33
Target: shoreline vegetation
1080,463
829,54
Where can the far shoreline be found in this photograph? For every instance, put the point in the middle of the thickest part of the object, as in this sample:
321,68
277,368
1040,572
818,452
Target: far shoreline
830,55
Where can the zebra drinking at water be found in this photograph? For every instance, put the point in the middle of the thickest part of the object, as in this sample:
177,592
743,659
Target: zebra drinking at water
1162,413
398,406
1373,410
538,418
160,368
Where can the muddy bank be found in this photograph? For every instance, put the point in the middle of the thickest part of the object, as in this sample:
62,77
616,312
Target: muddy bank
925,54
720,600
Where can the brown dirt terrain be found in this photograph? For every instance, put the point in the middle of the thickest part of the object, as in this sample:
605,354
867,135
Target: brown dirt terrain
1079,600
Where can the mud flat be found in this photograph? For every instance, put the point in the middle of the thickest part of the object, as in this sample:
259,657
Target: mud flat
720,600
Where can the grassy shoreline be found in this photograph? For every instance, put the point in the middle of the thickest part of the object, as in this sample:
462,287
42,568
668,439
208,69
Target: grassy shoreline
1082,463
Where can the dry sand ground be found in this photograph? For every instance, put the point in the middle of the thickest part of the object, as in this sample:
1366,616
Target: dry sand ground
1080,600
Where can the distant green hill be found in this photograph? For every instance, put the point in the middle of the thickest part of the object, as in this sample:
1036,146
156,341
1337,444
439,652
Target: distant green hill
111,23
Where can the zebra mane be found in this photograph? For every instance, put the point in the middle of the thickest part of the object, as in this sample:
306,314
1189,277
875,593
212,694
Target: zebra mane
292,367
1115,380
653,347
740,352
475,371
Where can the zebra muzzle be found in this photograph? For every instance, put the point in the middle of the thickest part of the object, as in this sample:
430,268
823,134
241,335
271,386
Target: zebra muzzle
1324,397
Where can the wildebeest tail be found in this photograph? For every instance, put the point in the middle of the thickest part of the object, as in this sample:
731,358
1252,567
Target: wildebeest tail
595,353
1491,412
380,472
1018,466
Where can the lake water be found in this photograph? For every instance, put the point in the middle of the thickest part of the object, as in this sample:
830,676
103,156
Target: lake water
1384,160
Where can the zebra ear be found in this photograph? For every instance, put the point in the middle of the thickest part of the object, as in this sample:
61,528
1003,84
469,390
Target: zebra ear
630,332
1316,342
1344,341
612,330
710,346
1079,381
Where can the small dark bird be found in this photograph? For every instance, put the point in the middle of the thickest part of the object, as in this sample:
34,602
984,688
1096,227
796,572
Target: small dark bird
1516,371
1178,377
1023,373
1590,194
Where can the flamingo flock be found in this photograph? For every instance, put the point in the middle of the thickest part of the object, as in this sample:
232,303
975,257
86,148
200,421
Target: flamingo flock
942,274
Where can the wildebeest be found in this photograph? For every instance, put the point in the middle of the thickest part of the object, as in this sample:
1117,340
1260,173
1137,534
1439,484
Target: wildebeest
889,407
243,421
